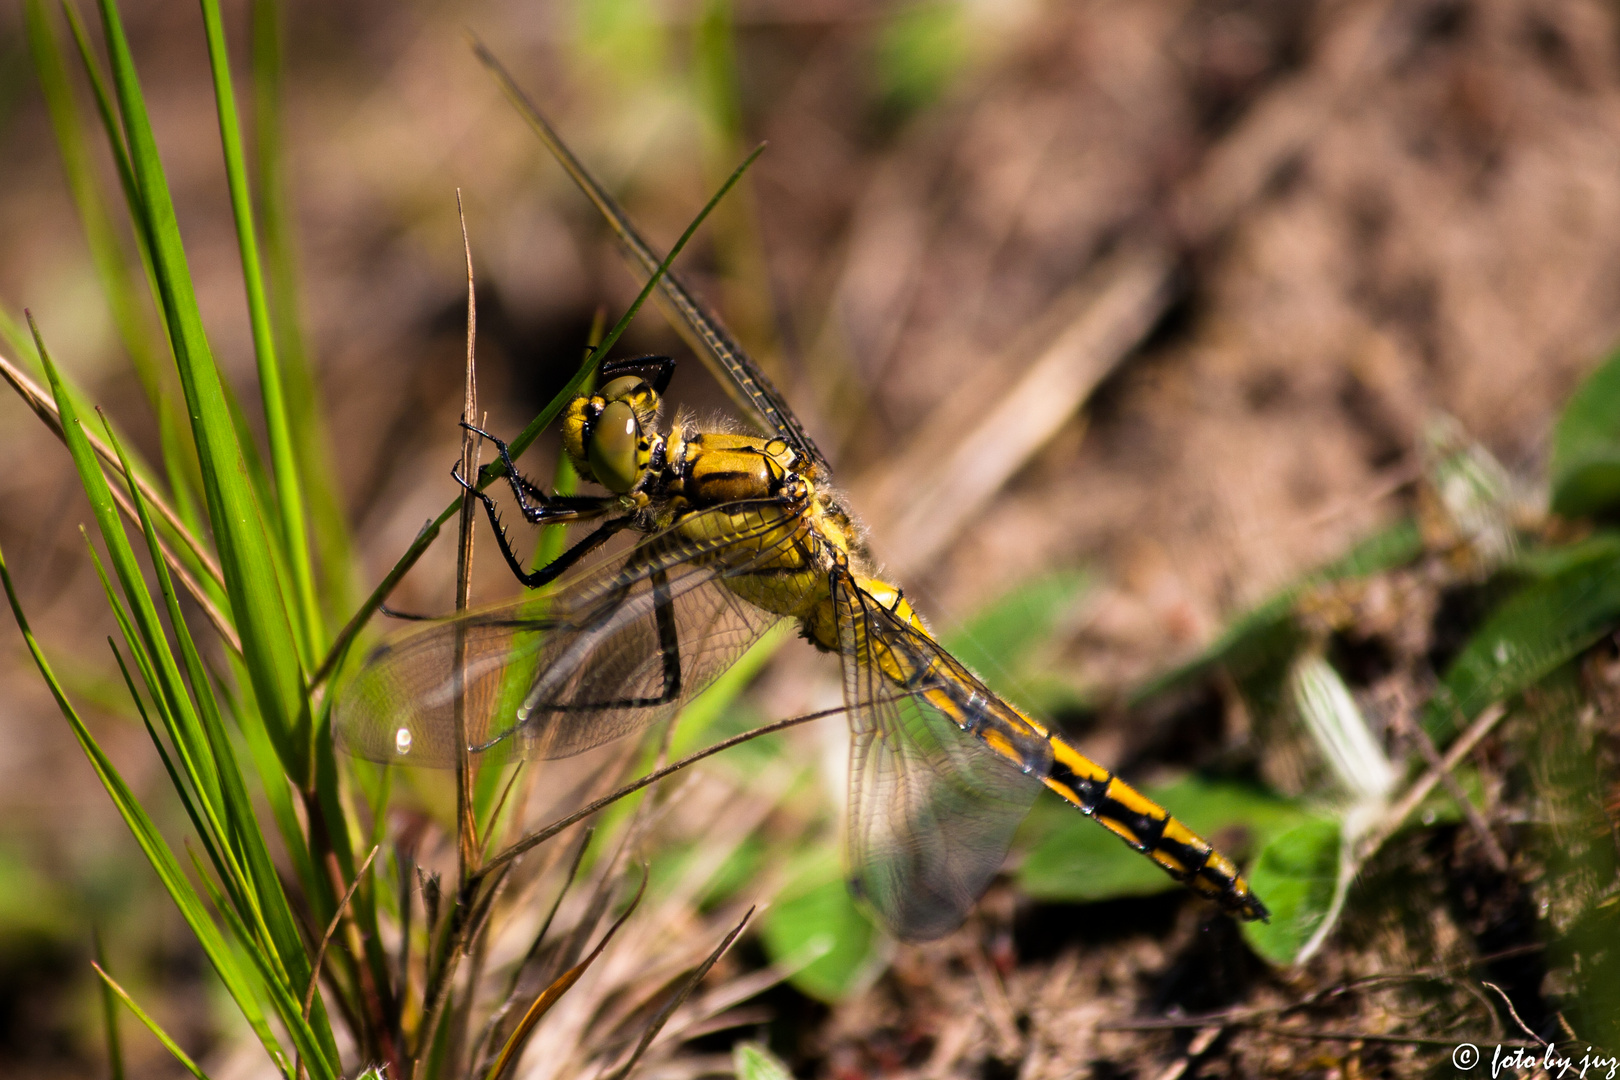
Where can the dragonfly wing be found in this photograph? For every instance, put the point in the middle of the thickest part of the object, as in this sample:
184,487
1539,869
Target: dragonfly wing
617,648
941,771
743,379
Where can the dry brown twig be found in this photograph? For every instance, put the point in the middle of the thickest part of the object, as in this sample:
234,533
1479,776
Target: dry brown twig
40,402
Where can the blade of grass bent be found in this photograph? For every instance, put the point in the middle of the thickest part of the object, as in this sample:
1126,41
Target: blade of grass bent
289,498
149,839
257,600
110,986
493,471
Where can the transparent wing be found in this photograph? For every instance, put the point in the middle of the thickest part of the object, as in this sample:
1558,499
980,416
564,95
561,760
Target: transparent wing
941,771
743,379
619,647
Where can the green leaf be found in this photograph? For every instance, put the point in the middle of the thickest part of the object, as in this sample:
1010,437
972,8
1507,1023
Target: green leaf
815,927
1541,627
1585,468
269,912
1075,860
751,1061
1296,874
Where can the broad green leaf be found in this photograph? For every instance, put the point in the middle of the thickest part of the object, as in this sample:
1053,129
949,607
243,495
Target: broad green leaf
815,917
1541,627
752,1061
1585,468
1074,859
1295,874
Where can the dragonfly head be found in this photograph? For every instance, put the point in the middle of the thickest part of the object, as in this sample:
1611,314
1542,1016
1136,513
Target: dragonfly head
609,434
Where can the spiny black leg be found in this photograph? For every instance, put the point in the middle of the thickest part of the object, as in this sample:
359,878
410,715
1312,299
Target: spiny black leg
549,572
656,370
522,486
552,507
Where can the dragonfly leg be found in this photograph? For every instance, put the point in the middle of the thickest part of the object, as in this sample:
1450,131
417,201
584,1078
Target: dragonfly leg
655,370
669,650
550,508
533,579
669,641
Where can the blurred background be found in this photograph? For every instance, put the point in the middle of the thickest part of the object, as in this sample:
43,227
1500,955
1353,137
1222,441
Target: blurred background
1159,293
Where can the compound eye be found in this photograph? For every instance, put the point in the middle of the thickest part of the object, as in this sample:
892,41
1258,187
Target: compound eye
623,388
614,447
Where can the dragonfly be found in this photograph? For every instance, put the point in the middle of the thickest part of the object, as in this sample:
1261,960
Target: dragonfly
735,534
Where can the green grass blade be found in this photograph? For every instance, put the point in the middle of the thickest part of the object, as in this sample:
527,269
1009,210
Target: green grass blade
179,454
278,792
289,488
271,910
208,827
306,412
110,987
257,600
319,1055
151,842
109,1016
106,252
142,609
